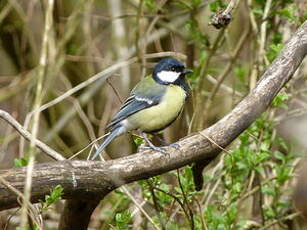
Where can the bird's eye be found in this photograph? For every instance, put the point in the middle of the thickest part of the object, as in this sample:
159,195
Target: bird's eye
173,69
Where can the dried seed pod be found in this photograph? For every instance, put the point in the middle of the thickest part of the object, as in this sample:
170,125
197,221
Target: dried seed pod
221,19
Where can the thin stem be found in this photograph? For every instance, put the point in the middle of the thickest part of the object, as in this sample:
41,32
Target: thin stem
37,103
156,204
28,136
186,201
226,71
176,199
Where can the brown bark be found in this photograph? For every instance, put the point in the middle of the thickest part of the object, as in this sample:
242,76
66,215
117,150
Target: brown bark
77,213
84,180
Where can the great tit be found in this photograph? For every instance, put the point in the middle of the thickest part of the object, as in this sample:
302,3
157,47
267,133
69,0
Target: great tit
153,104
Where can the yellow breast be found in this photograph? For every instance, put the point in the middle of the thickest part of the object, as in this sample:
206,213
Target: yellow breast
160,116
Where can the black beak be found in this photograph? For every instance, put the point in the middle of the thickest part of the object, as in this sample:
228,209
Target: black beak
187,71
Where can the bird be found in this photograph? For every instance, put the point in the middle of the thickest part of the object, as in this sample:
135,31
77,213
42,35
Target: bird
153,104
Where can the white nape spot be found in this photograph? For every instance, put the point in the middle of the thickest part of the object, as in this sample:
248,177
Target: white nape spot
144,99
168,76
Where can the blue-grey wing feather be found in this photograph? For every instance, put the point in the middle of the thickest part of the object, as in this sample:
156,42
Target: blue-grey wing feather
138,101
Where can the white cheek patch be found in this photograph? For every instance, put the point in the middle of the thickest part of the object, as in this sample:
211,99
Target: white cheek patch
168,76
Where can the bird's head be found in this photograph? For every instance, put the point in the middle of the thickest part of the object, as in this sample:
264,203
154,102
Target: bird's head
169,71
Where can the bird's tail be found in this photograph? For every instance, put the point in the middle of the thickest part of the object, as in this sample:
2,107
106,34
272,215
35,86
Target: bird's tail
113,134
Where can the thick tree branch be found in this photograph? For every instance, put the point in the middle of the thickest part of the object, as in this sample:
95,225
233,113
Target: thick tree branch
87,179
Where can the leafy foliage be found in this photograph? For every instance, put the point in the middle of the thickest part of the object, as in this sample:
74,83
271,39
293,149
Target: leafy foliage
55,195
122,220
20,162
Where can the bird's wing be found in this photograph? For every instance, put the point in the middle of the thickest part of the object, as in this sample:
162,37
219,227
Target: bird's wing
145,94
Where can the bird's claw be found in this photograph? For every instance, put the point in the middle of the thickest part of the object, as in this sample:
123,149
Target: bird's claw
175,146
165,144
155,148
159,149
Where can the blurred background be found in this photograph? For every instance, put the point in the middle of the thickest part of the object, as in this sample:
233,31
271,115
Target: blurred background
51,48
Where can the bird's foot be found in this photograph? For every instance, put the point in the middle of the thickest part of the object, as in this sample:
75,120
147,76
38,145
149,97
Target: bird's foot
165,144
153,147
174,145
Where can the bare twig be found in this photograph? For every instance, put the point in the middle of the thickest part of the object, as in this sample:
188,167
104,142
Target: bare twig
263,34
181,204
120,43
32,210
226,71
36,116
42,146
284,218
156,204
224,87
196,122
139,206
186,201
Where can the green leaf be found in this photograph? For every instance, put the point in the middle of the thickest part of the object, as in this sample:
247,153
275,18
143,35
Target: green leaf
278,155
151,5
123,219
288,13
196,3
269,212
55,195
277,38
265,145
274,50
268,191
257,11
216,5
20,162
138,141
279,100
241,73
183,4
287,1
241,165
261,2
